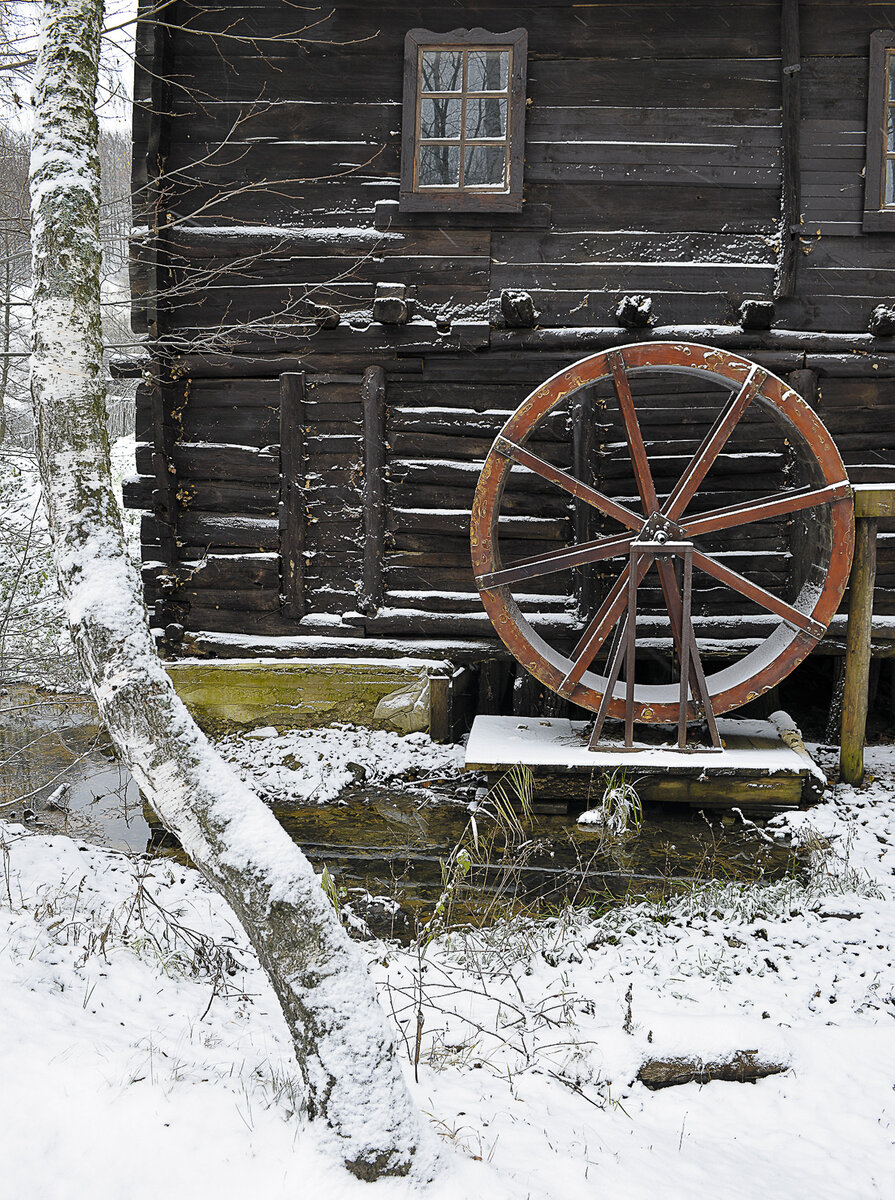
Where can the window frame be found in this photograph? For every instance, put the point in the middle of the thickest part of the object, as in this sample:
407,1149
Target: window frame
480,198
878,217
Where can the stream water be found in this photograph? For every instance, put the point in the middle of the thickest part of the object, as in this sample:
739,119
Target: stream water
385,847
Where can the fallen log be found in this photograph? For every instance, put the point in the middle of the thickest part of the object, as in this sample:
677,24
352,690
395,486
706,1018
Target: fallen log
743,1067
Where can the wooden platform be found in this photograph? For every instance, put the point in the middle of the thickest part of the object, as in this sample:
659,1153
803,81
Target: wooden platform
763,765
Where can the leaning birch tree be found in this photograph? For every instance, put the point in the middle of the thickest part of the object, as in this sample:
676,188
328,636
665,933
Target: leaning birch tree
344,1047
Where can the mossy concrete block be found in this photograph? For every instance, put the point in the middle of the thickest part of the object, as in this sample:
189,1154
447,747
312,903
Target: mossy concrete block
225,695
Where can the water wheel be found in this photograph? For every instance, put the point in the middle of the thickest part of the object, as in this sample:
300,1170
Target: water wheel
672,534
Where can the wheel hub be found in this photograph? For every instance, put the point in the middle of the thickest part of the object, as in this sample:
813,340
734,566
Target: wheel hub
659,528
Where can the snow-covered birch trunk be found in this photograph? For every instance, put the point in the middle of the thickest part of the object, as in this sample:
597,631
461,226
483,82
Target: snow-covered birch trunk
344,1047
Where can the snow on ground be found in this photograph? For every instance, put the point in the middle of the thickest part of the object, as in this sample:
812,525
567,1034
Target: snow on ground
301,765
142,1059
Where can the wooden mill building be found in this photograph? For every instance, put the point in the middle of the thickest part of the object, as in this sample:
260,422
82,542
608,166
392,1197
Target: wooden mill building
366,232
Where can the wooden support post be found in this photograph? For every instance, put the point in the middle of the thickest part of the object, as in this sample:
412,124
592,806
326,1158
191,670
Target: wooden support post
494,686
857,651
440,708
872,501
372,591
292,496
790,62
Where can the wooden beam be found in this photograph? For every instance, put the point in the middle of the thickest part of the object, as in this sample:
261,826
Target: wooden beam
857,652
372,592
790,63
291,507
874,500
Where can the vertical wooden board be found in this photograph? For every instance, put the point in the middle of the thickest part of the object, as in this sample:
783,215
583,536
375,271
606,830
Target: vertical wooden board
791,183
373,398
333,493
291,513
165,504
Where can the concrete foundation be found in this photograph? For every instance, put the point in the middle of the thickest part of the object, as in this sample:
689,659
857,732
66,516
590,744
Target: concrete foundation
405,695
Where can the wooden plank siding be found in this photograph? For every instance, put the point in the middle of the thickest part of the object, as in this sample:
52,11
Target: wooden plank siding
268,159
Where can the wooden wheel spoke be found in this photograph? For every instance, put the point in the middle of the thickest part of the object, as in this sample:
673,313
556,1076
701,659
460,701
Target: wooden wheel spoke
642,472
573,486
557,560
765,508
763,598
712,443
600,626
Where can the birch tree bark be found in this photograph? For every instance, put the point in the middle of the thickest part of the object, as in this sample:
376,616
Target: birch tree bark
343,1045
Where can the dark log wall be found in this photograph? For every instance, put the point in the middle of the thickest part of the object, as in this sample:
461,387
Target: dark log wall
267,154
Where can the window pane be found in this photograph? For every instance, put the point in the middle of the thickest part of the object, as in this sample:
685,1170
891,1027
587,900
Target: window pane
485,165
890,73
439,166
890,127
442,71
889,182
486,118
440,119
486,70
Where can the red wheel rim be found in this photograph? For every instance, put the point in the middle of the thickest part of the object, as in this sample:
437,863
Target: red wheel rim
802,622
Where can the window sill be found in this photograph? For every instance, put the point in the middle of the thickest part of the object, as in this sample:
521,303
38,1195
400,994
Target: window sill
454,202
389,214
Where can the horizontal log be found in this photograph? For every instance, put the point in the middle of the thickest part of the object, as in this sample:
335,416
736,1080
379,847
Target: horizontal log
209,365
397,621
454,547
599,249
203,393
231,599
206,496
399,520
420,496
277,269
258,533
746,1066
350,240
434,419
701,207
470,601
645,277
433,445
222,461
353,32
654,174
239,571
645,120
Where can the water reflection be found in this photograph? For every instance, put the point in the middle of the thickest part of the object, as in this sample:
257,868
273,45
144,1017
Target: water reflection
58,771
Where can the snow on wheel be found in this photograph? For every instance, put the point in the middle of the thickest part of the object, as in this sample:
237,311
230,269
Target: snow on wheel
632,544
